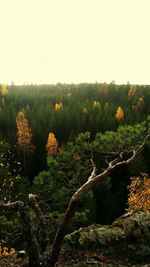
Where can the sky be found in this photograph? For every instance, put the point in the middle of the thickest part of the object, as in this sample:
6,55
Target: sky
73,41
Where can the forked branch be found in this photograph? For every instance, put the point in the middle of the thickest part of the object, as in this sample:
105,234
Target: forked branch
92,180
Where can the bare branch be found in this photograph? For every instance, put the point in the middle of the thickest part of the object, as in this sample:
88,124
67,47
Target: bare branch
43,237
111,163
17,205
134,153
93,174
33,201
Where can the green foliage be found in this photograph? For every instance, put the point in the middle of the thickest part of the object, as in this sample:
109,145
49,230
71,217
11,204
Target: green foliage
72,167
12,186
81,135
65,174
38,102
9,229
125,138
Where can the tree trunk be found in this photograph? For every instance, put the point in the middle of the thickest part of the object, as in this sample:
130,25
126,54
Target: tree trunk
32,245
59,237
70,212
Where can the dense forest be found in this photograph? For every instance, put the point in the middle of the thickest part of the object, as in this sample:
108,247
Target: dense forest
51,134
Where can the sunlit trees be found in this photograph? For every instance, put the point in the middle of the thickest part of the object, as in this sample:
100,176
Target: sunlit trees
52,145
119,114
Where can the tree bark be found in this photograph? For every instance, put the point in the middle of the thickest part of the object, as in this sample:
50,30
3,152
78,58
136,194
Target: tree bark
32,244
71,210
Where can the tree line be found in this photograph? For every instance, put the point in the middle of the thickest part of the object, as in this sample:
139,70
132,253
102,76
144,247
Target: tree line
40,120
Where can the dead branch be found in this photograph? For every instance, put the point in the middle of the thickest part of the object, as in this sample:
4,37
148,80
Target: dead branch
93,174
17,205
72,207
33,201
42,232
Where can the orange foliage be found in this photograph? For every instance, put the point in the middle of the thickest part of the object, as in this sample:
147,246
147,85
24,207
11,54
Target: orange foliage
119,114
132,91
24,132
5,253
139,193
52,145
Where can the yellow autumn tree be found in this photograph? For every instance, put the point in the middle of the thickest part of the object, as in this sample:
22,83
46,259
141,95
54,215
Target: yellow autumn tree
4,90
85,110
52,145
119,114
58,106
23,132
132,91
96,104
24,145
139,193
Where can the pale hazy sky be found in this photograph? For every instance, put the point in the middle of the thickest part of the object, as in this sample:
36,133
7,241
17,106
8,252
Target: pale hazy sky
50,41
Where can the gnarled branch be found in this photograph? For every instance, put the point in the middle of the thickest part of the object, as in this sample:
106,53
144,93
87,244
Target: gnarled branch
92,180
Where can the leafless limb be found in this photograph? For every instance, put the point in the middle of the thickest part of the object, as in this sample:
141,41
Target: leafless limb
93,173
92,180
17,205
